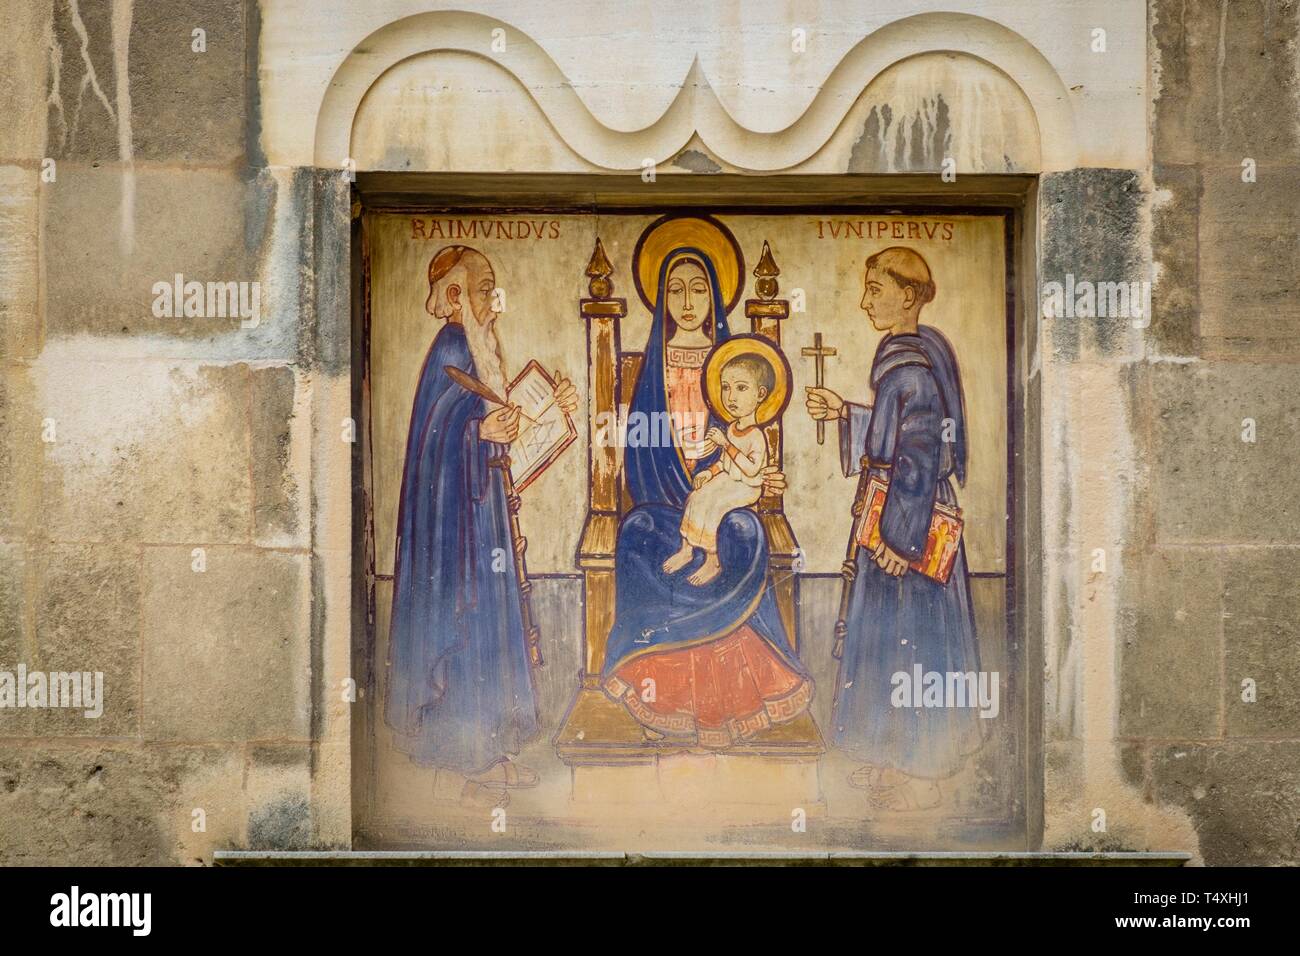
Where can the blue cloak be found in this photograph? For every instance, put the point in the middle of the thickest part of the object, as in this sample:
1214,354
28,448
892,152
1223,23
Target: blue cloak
894,623
460,687
656,611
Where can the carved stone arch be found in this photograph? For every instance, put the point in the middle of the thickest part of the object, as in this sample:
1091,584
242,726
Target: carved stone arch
696,111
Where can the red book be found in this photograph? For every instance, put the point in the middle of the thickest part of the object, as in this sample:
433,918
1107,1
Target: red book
941,545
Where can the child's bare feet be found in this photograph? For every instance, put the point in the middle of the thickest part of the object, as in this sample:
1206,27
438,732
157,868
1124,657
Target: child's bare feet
707,571
679,558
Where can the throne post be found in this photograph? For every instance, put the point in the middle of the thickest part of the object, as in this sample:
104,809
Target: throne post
602,312
765,314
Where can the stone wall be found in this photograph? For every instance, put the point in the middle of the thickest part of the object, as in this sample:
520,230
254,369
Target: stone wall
1210,598
175,493
158,517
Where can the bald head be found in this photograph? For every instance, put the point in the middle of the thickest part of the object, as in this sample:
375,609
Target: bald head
460,275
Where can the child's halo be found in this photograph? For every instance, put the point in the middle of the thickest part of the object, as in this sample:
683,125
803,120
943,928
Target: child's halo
772,407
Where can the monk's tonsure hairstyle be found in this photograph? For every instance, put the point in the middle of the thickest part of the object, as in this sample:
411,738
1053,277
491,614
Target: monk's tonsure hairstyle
444,260
907,268
440,266
757,366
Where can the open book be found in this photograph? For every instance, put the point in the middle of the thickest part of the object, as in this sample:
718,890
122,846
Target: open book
545,429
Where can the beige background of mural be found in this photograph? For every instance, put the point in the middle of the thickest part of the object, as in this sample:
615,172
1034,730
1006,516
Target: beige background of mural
542,279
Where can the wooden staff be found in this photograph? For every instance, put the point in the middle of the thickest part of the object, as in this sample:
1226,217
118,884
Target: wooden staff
849,569
519,544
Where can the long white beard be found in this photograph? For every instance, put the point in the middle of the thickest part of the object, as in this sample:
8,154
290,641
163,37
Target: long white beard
485,349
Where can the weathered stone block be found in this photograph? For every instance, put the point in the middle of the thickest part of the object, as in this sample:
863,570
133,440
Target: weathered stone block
174,103
1226,69
190,105
20,450
19,270
156,453
1170,658
1244,799
112,233
25,52
236,664
1092,225
14,722
1249,258
1208,485
117,805
1261,624
281,453
88,620
1176,296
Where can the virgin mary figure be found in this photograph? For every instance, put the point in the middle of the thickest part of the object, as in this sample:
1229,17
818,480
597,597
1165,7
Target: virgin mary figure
710,665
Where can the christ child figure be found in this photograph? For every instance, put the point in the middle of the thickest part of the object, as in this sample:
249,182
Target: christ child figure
734,480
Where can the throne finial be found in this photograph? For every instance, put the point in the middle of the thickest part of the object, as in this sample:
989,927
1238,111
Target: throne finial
765,273
599,270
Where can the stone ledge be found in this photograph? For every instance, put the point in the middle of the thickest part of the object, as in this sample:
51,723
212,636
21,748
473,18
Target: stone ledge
596,858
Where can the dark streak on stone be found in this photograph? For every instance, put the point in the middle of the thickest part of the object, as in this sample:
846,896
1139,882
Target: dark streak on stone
284,824
253,152
1092,229
696,162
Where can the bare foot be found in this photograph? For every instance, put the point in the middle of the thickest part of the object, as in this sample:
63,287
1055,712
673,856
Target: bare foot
679,559
707,571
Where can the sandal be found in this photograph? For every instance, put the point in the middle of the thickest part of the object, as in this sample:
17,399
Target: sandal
867,777
479,796
904,798
507,773
519,776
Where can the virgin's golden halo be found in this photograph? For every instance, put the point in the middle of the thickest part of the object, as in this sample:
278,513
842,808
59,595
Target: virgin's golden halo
770,409
705,234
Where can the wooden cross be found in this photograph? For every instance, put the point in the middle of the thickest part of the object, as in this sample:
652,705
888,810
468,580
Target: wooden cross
819,355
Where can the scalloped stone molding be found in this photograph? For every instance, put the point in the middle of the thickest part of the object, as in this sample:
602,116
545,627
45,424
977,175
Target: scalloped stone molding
1086,108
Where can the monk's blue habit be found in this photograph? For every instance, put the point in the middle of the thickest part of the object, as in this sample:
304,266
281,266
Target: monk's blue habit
460,691
895,624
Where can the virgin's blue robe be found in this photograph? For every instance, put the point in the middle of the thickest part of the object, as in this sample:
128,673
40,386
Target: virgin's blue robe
896,623
460,688
655,611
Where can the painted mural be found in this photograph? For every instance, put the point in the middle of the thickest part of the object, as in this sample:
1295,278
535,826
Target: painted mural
690,530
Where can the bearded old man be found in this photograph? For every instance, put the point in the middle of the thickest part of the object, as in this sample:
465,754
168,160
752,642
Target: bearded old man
460,687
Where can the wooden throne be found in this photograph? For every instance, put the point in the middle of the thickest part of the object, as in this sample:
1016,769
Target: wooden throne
611,758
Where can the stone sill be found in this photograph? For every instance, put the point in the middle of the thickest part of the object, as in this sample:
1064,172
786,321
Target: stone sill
593,858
